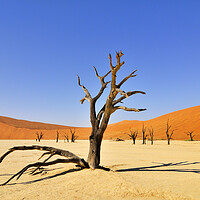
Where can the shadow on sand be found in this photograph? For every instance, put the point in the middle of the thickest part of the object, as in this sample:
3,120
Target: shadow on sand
154,167
48,177
147,168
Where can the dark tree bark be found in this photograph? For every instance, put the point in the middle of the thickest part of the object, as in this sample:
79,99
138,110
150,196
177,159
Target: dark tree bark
168,134
74,137
151,134
66,137
133,135
190,133
57,136
99,121
144,135
72,158
39,136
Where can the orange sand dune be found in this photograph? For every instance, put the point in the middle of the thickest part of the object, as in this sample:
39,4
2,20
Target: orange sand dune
30,125
181,121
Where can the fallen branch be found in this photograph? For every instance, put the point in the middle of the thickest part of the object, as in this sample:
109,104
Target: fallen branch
72,158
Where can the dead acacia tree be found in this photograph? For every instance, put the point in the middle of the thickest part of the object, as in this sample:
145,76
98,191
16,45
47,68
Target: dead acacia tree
144,135
99,121
168,133
39,136
151,132
73,135
66,137
190,133
57,136
133,135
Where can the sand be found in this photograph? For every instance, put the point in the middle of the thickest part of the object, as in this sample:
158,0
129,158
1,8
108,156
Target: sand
139,172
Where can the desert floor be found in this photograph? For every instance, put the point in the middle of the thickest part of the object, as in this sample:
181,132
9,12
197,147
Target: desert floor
139,172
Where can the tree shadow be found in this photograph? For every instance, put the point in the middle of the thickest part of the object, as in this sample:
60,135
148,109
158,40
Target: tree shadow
147,168
153,168
6,174
48,177
51,176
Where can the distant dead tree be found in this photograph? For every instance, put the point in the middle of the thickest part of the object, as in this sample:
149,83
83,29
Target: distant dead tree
168,133
73,135
66,137
133,135
144,135
57,136
151,132
39,136
190,133
99,121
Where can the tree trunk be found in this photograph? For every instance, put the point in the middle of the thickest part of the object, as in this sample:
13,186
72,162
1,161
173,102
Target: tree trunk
168,141
133,141
94,151
143,142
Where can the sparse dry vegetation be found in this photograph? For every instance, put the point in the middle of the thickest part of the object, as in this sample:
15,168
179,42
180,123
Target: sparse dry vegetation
74,137
169,133
39,136
191,135
133,135
144,135
57,136
151,134
66,137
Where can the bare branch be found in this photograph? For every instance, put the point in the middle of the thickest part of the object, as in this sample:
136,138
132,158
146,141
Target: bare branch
171,134
168,126
110,59
122,92
126,78
39,136
151,134
96,72
40,164
100,113
115,69
106,74
190,133
103,83
66,137
52,150
133,135
87,94
101,78
127,109
73,135
127,94
119,64
46,153
52,154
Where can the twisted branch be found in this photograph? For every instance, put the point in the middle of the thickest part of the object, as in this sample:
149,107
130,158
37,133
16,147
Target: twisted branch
128,94
103,83
50,150
127,109
126,78
87,94
41,164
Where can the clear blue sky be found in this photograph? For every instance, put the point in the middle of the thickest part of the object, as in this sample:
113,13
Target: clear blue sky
44,44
